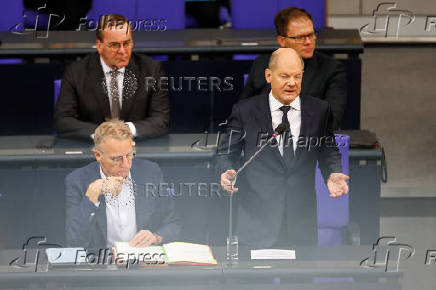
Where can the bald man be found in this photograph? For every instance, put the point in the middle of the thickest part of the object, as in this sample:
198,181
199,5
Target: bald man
276,193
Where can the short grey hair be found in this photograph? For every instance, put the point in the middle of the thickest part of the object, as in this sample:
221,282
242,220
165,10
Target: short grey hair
113,128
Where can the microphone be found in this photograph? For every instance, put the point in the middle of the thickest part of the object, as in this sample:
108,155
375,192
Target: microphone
280,129
230,252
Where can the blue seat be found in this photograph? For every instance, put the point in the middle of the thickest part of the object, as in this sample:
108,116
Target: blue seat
260,13
57,88
253,13
172,11
316,8
11,15
333,215
127,8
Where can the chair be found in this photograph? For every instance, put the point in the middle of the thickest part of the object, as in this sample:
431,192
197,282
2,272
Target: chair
11,15
126,8
57,88
253,13
172,11
260,13
333,215
316,8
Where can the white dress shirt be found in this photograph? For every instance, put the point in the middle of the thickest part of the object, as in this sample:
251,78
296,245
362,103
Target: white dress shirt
120,79
294,117
120,214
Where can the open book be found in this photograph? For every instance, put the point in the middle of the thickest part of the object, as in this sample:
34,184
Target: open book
172,253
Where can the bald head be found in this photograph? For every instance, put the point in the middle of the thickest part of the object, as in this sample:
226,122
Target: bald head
284,53
285,74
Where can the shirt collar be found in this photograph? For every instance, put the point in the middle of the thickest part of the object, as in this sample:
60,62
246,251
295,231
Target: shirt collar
275,105
107,69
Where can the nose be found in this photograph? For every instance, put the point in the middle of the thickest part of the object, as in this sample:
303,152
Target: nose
125,162
291,81
122,49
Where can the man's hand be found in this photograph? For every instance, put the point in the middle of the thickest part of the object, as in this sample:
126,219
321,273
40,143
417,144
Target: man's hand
226,183
337,184
112,184
145,238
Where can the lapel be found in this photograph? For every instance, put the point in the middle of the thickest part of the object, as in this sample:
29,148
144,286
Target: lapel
306,124
130,88
309,76
264,122
143,205
98,85
101,212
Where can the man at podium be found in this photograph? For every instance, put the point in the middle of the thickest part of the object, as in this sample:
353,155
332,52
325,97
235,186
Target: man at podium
276,192
324,77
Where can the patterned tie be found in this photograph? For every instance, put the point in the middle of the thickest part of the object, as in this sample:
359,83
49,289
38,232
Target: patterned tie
115,109
288,148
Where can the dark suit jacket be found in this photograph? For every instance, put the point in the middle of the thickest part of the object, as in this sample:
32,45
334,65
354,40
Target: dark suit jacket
323,78
86,225
83,101
269,186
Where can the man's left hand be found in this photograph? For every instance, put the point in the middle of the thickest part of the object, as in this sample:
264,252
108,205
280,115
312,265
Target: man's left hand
337,184
145,238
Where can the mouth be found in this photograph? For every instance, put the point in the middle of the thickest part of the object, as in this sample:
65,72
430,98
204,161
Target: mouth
290,92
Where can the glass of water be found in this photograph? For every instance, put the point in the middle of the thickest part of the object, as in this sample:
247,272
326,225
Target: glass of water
232,248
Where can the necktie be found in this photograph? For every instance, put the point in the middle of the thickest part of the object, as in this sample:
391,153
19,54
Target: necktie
288,148
115,108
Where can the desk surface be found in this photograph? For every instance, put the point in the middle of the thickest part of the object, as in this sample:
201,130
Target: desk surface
185,41
326,272
174,147
170,147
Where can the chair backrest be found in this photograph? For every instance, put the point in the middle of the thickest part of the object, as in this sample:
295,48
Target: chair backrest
316,8
333,213
127,8
260,13
57,88
11,14
144,14
253,13
170,13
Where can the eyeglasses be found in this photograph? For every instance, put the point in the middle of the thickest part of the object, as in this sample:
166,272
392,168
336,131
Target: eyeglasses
119,159
302,38
115,46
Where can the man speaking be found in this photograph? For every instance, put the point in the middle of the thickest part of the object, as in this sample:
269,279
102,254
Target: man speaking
276,192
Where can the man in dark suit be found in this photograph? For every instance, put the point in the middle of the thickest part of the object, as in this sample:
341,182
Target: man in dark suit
111,84
277,200
324,77
116,198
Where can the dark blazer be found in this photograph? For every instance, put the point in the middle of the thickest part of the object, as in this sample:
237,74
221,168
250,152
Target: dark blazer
83,101
269,186
323,78
86,225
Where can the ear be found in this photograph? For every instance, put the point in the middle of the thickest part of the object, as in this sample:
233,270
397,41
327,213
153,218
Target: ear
268,75
281,40
98,155
99,46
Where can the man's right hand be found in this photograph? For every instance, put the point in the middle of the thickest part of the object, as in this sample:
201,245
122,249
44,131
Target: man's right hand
112,184
226,183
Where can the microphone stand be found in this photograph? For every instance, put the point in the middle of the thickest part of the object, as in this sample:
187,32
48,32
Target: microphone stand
230,251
